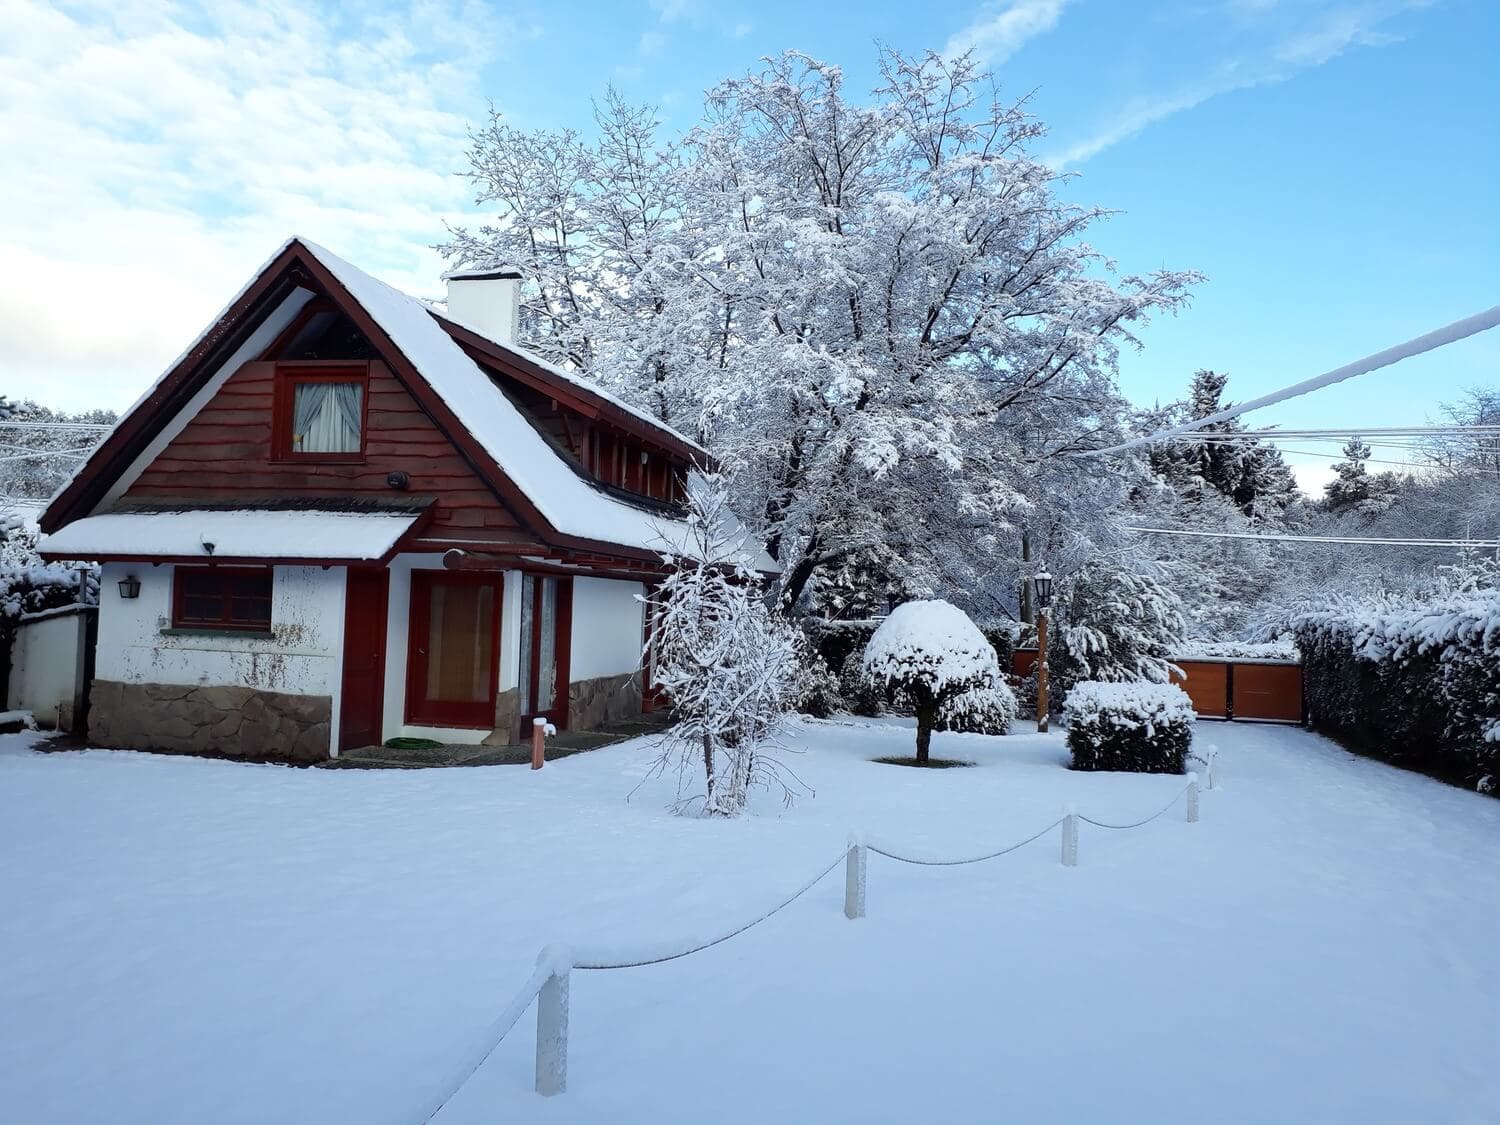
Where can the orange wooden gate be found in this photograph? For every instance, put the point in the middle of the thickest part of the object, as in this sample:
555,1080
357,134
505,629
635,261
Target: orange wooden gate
1258,690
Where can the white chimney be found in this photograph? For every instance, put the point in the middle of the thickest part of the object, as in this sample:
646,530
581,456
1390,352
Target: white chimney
488,300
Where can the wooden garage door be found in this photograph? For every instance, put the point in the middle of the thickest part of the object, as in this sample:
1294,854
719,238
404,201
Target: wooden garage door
1207,685
1268,691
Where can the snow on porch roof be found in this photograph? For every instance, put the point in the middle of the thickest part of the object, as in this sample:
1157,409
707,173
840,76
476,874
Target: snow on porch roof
241,534
568,502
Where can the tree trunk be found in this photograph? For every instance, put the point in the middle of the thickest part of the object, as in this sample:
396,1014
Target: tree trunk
708,771
926,717
1025,592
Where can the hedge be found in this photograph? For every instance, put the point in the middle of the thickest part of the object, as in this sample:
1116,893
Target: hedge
1414,685
1143,728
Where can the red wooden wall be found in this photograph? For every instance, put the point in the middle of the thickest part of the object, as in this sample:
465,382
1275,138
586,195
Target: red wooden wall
224,454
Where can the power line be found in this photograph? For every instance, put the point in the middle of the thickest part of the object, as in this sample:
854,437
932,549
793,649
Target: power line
1458,330
97,427
1356,540
1342,433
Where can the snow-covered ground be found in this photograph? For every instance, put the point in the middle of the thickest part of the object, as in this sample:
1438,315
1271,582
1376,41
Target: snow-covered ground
191,941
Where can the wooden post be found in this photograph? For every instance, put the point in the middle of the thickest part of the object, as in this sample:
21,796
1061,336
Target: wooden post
538,743
1042,704
552,1033
854,880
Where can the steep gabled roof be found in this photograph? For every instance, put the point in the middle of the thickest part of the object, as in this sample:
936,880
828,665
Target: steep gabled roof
431,355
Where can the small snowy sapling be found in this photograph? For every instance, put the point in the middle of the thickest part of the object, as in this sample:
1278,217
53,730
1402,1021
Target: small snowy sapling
925,655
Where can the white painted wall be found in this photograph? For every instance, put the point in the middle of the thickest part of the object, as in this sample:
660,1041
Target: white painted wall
303,656
47,667
607,626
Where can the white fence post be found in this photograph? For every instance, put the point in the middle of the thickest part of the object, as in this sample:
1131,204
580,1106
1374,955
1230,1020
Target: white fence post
1070,839
1192,798
854,880
552,1023
1213,762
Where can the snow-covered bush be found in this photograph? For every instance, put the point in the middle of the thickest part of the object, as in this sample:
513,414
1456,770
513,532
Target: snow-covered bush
727,666
817,692
29,585
925,655
860,695
980,710
1417,685
1144,728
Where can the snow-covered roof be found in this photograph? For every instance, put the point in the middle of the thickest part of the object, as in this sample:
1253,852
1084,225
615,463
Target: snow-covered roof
252,533
565,500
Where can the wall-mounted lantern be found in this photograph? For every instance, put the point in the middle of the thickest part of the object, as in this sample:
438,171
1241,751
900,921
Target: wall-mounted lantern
130,587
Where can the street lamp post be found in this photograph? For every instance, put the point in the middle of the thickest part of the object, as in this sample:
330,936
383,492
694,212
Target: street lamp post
1043,584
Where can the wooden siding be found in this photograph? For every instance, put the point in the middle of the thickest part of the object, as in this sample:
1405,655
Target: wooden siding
225,454
1268,691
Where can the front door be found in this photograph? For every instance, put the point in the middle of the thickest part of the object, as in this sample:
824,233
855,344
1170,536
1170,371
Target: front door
363,696
454,649
546,641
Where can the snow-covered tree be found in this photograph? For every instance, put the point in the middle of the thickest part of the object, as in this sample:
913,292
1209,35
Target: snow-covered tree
1115,625
726,665
43,447
1355,490
926,655
861,306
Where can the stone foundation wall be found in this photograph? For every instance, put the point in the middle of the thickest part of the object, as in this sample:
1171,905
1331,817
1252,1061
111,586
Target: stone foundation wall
228,722
592,703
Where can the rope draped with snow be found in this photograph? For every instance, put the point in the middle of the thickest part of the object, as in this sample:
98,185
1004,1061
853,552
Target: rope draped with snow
1159,813
600,961
922,861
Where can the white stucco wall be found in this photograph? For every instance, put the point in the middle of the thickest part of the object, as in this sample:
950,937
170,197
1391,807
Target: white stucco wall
304,655
47,667
607,627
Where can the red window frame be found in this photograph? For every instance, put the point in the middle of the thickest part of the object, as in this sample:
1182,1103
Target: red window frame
454,714
288,375
225,618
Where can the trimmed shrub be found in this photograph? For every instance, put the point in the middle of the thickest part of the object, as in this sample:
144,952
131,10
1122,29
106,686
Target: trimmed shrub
859,694
983,710
1142,728
1414,685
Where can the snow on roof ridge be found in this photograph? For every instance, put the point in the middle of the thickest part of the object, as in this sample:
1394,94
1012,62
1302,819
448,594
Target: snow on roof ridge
589,385
571,504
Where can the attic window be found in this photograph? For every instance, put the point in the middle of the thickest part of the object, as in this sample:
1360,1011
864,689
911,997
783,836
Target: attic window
320,413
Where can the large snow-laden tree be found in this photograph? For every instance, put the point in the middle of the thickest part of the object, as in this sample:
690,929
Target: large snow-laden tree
859,305
1115,625
926,655
726,665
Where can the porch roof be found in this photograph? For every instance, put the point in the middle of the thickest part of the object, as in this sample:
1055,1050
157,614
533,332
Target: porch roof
221,536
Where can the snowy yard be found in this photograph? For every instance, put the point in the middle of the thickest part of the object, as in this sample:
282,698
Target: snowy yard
186,941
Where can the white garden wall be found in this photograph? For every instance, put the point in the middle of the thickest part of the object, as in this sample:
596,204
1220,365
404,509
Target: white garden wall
303,656
47,666
607,628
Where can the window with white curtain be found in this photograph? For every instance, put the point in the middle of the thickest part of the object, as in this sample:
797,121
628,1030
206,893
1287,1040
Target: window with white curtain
326,417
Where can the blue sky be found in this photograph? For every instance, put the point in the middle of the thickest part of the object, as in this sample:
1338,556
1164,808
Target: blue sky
1330,164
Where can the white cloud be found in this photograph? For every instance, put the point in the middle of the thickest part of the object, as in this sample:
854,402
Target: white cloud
741,30
650,43
156,155
1286,51
1003,26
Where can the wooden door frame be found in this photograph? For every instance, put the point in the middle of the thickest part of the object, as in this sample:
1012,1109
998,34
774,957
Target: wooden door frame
384,618
459,716
558,714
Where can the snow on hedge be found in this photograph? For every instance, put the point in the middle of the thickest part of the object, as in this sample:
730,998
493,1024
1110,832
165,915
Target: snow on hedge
1282,649
1135,706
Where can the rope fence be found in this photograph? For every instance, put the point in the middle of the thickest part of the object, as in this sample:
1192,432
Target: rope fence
549,983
